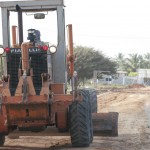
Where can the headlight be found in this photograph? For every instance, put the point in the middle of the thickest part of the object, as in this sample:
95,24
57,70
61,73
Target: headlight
52,49
1,50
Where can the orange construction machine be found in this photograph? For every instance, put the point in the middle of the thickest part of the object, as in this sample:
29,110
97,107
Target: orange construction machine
33,88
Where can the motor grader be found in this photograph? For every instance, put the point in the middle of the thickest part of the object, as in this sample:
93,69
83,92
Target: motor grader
33,92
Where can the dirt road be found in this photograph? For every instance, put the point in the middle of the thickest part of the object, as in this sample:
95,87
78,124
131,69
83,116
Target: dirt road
133,106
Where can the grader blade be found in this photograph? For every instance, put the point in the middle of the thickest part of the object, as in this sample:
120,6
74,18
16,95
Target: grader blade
105,124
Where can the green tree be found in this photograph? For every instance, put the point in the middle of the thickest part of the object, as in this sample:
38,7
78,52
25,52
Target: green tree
89,59
121,61
146,62
133,62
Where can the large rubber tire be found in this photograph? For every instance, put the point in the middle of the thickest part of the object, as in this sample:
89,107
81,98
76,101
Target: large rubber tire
81,129
90,116
2,140
93,99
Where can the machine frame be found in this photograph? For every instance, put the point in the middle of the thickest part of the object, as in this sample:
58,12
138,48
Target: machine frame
25,110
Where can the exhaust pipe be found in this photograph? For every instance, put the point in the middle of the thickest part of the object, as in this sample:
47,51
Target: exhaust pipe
14,37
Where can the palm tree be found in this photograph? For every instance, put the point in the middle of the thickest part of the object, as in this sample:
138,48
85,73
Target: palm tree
120,60
147,61
133,62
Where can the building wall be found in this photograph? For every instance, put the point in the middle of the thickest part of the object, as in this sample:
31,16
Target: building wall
143,73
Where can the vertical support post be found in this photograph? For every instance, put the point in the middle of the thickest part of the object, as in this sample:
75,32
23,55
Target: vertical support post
25,56
14,39
5,30
1,72
20,24
71,57
95,77
70,47
5,26
59,58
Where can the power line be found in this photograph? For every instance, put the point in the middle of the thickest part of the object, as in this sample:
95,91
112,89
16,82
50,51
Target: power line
113,37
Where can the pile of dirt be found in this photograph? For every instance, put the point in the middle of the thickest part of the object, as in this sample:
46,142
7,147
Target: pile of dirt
133,107
136,86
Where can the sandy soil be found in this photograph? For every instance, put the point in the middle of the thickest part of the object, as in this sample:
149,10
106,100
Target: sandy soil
133,105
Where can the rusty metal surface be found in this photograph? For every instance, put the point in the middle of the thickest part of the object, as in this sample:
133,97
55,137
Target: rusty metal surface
25,55
3,118
70,48
36,111
99,128
27,115
105,123
31,99
45,84
62,120
14,36
31,89
57,88
62,97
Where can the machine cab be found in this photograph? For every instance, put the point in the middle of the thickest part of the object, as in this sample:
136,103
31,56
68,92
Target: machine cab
24,22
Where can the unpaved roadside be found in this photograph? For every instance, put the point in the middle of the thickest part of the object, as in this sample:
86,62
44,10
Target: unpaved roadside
133,106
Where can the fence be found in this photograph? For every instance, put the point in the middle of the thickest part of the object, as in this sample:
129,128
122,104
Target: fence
125,81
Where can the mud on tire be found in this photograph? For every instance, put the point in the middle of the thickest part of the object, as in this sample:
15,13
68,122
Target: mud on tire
81,129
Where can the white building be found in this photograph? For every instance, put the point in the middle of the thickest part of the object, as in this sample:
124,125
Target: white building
144,76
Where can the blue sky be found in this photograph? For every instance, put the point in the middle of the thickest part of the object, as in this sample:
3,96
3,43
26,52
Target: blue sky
111,26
